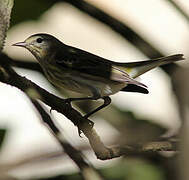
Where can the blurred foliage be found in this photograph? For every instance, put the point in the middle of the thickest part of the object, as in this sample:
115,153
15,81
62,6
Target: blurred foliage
64,177
133,169
133,129
2,136
30,10
147,130
130,168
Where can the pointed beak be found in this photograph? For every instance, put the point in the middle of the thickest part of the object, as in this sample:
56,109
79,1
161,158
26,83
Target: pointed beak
21,44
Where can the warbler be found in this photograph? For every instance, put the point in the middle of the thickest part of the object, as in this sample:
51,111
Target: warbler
83,72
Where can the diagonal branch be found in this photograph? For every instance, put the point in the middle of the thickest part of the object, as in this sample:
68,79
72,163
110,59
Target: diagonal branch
26,65
9,76
124,30
179,9
88,172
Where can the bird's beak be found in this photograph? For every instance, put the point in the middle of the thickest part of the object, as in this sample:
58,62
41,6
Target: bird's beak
21,44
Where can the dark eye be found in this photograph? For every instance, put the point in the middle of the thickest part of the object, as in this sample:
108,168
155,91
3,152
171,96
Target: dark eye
39,40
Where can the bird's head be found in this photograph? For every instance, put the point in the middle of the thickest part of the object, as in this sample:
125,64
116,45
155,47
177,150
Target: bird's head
40,45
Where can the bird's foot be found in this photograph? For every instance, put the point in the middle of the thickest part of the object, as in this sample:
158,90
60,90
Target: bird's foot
79,132
68,100
51,110
90,124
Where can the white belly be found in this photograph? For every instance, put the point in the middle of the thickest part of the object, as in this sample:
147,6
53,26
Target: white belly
104,88
86,84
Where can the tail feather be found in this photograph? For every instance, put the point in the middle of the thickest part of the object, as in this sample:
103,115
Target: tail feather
135,69
135,88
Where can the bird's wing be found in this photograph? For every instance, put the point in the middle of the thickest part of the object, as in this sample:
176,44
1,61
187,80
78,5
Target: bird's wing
120,75
91,64
84,62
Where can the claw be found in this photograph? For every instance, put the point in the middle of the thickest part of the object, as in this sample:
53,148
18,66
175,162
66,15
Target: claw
68,100
51,110
79,132
90,123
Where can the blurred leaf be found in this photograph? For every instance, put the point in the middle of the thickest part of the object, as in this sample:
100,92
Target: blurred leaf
133,169
133,129
2,136
138,130
76,176
29,10
5,12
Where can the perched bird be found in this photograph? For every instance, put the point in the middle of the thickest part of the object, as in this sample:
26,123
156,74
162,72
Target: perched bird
83,72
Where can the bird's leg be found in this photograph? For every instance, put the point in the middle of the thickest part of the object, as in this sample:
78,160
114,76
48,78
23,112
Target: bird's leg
69,100
107,101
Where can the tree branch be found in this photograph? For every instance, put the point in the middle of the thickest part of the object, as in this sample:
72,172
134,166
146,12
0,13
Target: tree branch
88,172
26,65
9,76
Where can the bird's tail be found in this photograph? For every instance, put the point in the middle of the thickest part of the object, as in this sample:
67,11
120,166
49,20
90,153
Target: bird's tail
135,69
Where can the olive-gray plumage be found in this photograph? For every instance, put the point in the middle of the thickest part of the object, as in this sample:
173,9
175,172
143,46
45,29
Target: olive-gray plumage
80,71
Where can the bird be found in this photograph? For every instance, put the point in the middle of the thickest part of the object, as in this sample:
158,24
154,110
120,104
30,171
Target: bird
95,77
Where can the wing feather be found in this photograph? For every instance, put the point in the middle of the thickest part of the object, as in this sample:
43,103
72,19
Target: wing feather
88,63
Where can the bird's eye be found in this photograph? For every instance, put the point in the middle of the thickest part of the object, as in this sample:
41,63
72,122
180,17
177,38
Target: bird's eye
39,40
